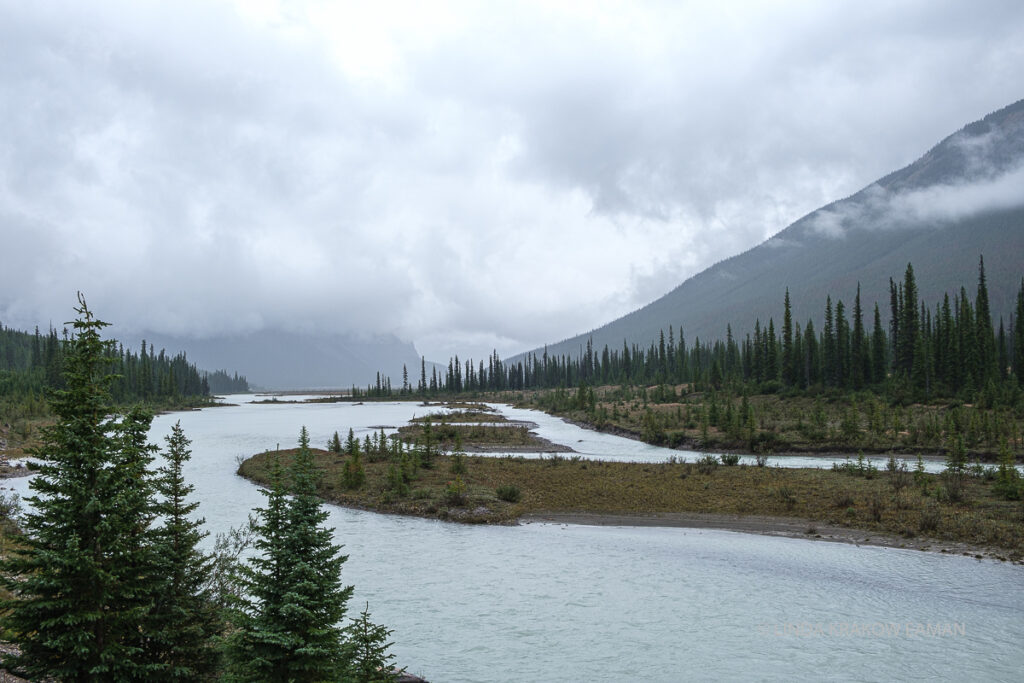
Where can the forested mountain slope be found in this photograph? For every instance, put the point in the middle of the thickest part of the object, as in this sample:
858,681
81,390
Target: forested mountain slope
963,199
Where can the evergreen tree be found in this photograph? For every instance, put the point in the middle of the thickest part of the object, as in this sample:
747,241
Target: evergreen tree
183,622
878,361
828,343
841,373
351,443
908,327
368,651
334,445
859,357
83,582
986,340
288,627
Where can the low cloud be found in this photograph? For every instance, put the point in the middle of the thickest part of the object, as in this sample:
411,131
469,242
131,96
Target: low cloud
466,176
933,206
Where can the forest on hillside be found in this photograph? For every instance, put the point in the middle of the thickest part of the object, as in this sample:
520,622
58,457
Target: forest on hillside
920,351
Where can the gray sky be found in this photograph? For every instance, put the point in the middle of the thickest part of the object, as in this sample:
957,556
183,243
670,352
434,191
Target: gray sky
469,175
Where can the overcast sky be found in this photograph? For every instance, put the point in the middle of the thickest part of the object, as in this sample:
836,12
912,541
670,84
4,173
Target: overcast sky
469,175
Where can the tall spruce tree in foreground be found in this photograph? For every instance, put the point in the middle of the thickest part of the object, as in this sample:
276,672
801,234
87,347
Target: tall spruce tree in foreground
184,621
83,582
289,626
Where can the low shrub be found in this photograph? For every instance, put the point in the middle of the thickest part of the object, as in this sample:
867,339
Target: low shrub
707,464
455,492
509,493
730,459
929,520
877,507
785,494
843,499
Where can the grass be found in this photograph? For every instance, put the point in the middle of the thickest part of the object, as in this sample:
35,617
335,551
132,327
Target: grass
560,484
836,423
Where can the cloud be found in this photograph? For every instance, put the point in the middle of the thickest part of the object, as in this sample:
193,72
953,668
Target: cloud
933,206
469,176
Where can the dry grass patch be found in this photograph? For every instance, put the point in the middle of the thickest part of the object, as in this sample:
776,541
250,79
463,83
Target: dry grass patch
570,484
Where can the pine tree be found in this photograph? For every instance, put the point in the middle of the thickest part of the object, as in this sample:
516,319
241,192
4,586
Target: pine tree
83,582
288,628
184,621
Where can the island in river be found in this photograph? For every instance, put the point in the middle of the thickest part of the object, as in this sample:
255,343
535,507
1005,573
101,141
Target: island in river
853,504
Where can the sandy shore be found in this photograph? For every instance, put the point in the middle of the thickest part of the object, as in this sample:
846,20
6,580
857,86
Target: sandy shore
768,526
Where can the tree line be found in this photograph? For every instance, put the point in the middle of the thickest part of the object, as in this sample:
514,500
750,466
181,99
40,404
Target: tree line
109,582
33,363
919,351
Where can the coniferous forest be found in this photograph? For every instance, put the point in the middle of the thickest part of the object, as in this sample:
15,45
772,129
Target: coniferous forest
906,349
32,364
106,578
881,360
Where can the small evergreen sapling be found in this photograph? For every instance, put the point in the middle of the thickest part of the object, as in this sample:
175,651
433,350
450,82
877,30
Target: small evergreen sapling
367,643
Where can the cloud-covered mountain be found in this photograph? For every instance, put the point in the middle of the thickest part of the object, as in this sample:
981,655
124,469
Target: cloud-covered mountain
286,360
961,200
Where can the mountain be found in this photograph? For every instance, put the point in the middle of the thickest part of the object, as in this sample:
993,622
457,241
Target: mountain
961,200
283,360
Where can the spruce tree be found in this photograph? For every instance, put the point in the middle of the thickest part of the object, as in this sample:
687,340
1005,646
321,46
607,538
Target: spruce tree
828,343
860,368
986,340
184,621
878,364
367,644
908,326
788,360
289,626
83,582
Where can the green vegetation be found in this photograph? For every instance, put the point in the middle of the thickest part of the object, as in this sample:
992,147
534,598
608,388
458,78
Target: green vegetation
931,375
952,350
104,579
293,599
675,416
475,436
32,365
82,583
500,490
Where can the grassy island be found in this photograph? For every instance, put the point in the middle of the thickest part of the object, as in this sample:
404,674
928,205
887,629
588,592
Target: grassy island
913,509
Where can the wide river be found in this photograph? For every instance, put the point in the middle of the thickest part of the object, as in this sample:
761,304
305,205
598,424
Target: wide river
547,602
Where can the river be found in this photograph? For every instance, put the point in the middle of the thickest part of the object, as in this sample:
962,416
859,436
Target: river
546,602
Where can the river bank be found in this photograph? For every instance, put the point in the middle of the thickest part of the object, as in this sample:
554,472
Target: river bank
786,527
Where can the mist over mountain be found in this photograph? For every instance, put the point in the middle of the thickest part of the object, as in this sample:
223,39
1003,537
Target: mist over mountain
272,359
963,199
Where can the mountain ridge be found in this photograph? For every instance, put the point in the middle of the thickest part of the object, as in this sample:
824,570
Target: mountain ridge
931,212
